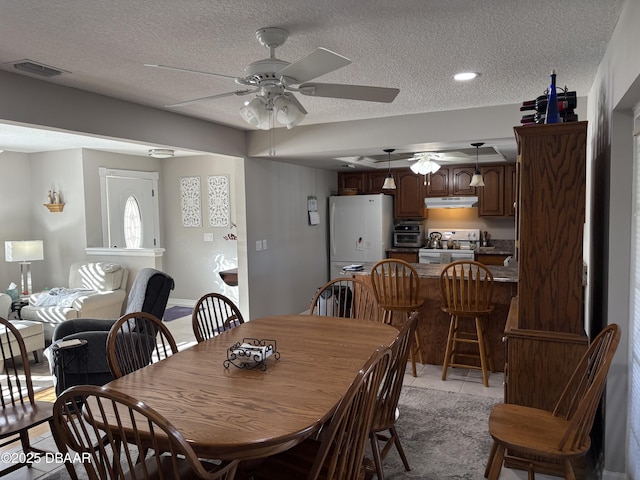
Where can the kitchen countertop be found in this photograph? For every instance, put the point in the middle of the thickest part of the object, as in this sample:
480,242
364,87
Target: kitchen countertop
508,274
479,250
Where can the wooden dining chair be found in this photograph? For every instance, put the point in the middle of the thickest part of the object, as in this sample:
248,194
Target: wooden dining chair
338,452
214,313
396,286
20,410
383,435
346,297
466,288
562,434
125,426
137,340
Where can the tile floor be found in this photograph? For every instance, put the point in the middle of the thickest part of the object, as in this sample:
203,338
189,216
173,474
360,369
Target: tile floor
428,376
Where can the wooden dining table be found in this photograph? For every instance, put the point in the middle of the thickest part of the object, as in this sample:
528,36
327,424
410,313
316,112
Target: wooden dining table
235,413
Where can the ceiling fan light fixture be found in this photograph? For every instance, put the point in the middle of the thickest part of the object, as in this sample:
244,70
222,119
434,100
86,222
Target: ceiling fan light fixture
477,180
424,164
161,153
287,112
255,113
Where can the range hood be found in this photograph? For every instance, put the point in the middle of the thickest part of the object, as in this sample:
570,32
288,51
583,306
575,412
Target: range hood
451,202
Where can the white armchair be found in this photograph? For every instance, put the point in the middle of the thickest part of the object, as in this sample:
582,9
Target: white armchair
96,290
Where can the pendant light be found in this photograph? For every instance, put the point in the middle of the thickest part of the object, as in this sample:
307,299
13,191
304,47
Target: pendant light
389,182
476,180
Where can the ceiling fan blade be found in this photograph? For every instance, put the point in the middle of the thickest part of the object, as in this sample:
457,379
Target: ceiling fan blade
319,62
349,92
213,97
167,67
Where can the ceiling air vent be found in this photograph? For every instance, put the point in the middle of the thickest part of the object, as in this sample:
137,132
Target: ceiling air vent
36,69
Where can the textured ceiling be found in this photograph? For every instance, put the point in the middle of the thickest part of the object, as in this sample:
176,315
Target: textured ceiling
414,45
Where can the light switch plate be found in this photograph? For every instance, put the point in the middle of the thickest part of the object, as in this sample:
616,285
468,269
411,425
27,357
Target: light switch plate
264,244
258,245
208,237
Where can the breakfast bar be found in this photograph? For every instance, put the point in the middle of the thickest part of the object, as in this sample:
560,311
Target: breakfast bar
433,325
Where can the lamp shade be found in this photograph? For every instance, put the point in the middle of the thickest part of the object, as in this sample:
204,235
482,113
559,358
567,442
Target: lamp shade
23,250
255,113
476,180
287,112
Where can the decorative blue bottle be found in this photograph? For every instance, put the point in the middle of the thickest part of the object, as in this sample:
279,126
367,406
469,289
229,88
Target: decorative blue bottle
552,115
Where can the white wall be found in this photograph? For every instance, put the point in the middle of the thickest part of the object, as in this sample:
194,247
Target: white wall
15,212
610,173
187,252
284,278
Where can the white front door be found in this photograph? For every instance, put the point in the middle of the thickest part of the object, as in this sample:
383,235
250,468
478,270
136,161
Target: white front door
140,190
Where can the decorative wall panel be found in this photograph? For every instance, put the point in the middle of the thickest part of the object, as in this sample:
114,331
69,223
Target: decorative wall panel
219,211
190,202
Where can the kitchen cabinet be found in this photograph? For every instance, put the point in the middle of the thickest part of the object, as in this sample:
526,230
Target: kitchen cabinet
407,256
491,197
410,193
459,181
352,180
438,183
451,181
375,180
545,334
488,259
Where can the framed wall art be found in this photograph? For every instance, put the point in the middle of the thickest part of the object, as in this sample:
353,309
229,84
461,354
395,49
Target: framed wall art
219,208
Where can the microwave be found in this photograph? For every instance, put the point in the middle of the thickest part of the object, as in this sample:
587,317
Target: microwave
409,235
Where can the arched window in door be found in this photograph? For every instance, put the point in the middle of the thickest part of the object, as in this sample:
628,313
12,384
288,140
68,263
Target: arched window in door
132,223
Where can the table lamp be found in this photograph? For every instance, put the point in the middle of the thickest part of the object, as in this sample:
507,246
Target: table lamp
25,252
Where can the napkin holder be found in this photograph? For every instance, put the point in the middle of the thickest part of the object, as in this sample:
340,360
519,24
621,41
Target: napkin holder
251,353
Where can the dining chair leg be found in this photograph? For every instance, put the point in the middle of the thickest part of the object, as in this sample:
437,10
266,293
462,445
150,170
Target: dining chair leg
569,473
419,347
398,445
492,454
448,352
412,353
531,472
483,352
377,458
496,464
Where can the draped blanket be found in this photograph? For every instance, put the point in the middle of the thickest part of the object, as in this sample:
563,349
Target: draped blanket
60,297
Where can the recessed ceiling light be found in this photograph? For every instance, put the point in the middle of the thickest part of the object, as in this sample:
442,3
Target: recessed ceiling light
465,76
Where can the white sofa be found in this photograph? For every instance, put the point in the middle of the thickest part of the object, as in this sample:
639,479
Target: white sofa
5,305
96,290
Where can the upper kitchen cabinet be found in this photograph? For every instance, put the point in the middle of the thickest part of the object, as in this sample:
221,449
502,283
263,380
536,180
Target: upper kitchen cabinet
355,180
410,193
459,181
450,181
438,183
375,180
491,197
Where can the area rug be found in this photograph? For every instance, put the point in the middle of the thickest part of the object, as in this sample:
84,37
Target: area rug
172,313
444,435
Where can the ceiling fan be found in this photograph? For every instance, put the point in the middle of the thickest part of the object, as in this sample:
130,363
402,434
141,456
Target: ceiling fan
273,80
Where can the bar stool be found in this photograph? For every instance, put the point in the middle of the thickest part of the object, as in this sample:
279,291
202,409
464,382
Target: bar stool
396,285
466,288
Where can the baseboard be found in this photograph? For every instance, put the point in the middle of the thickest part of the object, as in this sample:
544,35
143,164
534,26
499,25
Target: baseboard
181,302
606,475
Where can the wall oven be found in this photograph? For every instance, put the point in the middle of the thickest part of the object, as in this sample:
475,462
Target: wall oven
409,235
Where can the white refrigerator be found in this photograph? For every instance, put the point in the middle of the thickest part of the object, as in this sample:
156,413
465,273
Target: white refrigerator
360,230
